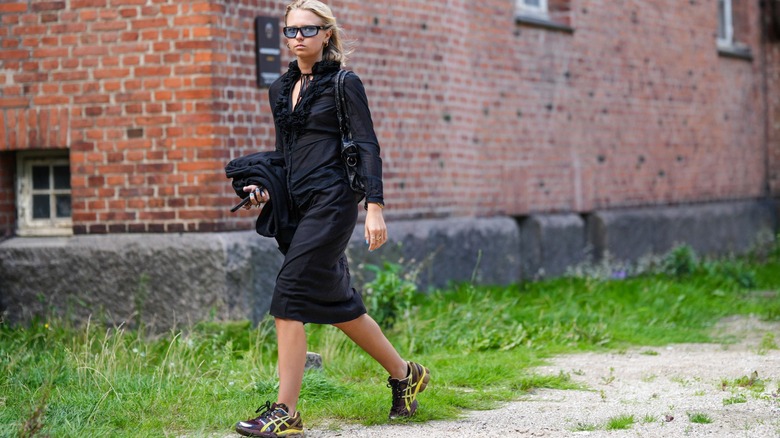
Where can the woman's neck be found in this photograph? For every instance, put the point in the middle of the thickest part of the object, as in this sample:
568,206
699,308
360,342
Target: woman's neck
306,65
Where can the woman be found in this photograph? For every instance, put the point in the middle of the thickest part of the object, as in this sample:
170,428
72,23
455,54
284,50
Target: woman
313,285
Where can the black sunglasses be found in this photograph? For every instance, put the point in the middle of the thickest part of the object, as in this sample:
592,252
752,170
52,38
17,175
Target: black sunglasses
306,31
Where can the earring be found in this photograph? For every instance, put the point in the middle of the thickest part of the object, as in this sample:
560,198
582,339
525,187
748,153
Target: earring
326,43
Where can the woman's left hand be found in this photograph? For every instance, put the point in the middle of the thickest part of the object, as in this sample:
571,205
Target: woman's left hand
376,230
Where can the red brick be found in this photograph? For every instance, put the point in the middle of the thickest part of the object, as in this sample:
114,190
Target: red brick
93,111
169,9
108,26
67,28
88,15
90,51
149,23
76,4
152,71
51,100
91,98
156,120
54,52
195,20
48,6
11,102
116,3
14,54
111,73
195,45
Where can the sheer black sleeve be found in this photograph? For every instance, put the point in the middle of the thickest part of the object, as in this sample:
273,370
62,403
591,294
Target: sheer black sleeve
273,94
363,134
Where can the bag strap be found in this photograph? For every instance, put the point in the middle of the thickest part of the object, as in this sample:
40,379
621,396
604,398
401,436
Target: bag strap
341,106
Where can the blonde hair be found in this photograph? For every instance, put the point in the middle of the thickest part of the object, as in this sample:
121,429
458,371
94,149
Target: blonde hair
335,50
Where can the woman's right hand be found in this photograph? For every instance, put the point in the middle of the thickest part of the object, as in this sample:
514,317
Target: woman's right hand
258,196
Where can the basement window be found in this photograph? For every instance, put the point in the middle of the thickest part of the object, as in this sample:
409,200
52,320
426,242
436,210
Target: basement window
43,195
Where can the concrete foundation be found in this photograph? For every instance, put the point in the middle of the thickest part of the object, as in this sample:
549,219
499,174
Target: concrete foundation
551,244
712,229
163,279
177,279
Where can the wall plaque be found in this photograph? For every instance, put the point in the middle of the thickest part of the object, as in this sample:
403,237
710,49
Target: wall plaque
267,53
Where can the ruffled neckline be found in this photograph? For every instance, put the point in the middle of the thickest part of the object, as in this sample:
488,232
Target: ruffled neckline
319,67
292,122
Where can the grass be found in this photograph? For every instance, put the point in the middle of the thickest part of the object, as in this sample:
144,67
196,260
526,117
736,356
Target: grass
58,379
585,427
752,383
620,422
699,418
740,398
767,343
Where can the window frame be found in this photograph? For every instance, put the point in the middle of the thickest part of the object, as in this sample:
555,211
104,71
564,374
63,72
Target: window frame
25,224
541,11
727,21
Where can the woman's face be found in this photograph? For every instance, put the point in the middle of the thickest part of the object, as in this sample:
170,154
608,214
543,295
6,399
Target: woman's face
306,47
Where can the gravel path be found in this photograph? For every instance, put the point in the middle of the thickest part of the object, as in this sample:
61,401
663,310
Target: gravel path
660,387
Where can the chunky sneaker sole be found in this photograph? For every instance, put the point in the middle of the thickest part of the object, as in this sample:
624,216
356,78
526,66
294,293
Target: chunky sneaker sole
273,422
405,391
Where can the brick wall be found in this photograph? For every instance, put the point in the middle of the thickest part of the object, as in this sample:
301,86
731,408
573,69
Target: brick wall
476,114
772,54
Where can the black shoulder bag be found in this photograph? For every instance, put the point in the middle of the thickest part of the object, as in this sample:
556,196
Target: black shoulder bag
349,150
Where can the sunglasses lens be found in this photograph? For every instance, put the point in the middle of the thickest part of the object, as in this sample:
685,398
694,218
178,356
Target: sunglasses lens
290,32
309,31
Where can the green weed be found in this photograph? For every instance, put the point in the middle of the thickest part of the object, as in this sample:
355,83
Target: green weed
649,418
389,296
751,382
734,400
767,343
620,422
585,427
699,418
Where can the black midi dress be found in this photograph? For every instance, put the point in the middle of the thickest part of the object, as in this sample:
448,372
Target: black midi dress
313,285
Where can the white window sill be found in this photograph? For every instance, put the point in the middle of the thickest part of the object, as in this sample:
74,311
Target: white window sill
732,50
543,22
44,232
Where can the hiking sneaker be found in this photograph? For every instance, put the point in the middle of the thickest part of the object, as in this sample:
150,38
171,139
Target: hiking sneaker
273,422
405,391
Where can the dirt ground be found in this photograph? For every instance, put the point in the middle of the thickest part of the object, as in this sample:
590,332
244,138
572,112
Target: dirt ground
662,388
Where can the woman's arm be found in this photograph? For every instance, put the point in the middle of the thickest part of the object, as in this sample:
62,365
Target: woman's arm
362,127
363,134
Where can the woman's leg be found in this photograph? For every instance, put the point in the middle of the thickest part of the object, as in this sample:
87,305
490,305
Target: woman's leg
291,339
365,332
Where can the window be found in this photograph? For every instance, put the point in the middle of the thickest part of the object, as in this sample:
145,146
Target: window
734,29
536,8
547,14
43,195
725,24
